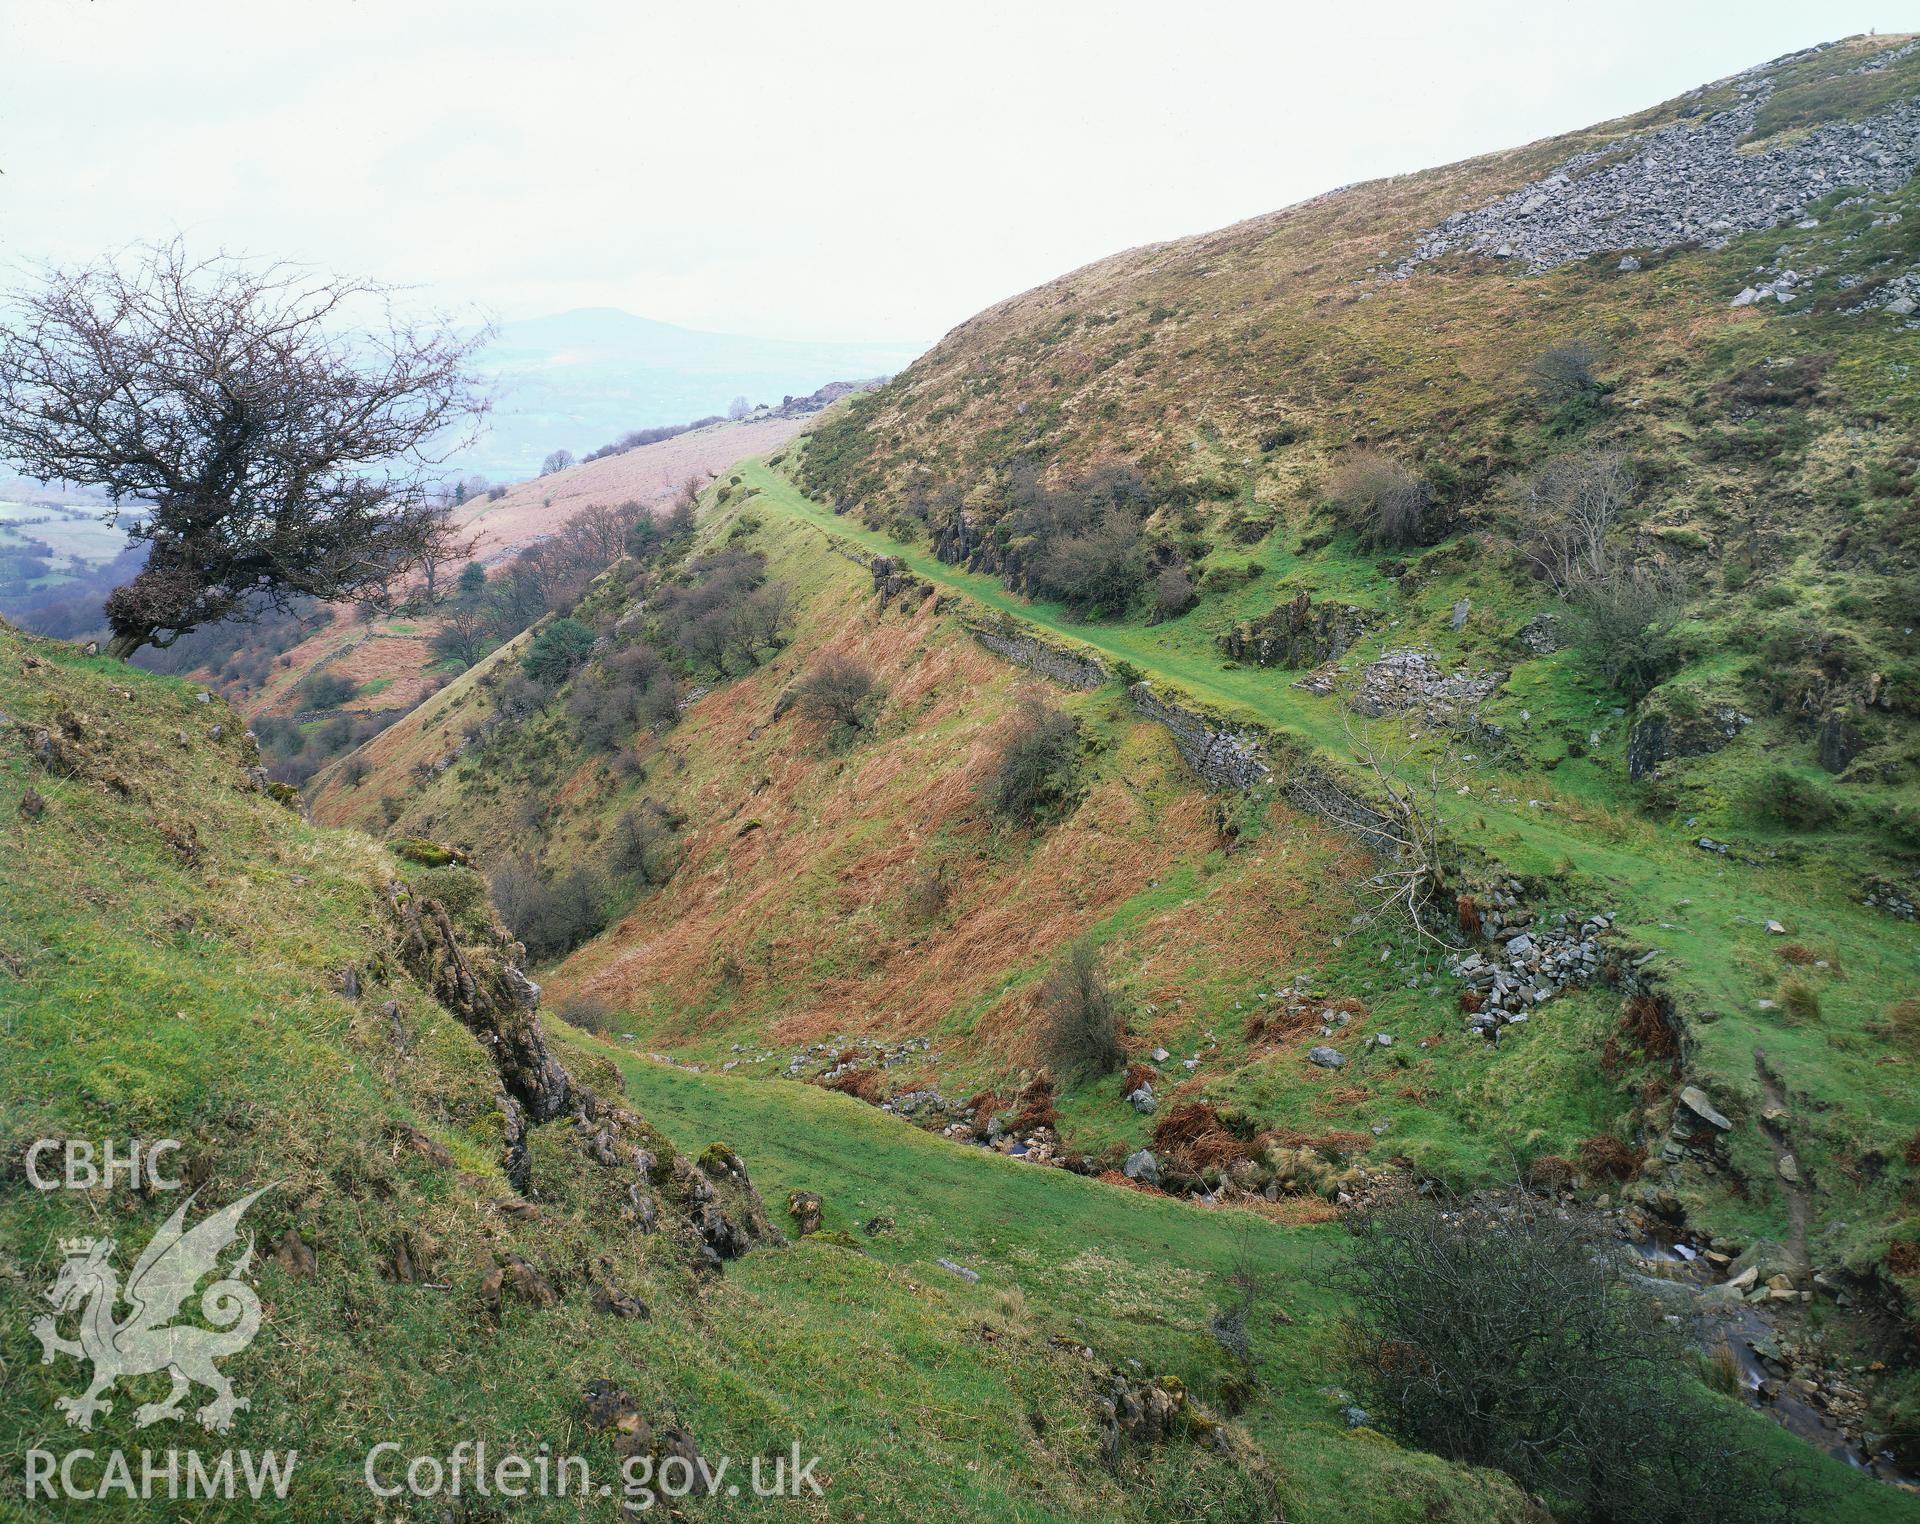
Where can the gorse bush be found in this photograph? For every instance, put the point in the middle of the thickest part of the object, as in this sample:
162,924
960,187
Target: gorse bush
1506,1332
557,651
1032,774
1080,1016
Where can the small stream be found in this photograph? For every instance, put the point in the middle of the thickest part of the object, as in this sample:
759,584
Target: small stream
1676,1275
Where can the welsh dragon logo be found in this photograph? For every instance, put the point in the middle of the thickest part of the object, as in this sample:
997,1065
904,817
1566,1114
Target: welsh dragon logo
147,1340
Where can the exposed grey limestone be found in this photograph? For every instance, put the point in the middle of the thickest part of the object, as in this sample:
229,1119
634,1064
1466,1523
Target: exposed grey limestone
1690,182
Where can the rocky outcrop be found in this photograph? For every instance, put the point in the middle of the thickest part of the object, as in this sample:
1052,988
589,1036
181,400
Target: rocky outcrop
892,580
1298,634
482,984
1691,182
472,966
1663,735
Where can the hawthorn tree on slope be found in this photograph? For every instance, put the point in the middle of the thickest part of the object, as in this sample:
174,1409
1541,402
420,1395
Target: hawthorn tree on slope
277,452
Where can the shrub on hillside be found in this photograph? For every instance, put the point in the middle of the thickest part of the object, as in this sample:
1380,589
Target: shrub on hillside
841,694
642,845
1565,378
1032,773
928,894
1380,497
326,690
1173,591
1783,797
1507,1332
630,689
552,918
1080,1016
557,651
1098,573
590,1013
726,614
1623,624
1799,1000
1563,512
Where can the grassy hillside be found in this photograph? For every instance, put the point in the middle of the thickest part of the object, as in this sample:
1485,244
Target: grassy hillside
1240,360
1751,757
1641,526
174,957
799,913
1172,462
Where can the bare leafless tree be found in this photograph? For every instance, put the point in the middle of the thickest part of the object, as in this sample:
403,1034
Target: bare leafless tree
277,452
1392,808
1565,511
1381,496
602,530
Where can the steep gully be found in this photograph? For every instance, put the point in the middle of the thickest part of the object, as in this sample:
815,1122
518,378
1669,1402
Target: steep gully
1227,756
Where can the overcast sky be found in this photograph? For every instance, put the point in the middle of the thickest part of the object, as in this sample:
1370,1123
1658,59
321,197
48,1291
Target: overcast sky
822,170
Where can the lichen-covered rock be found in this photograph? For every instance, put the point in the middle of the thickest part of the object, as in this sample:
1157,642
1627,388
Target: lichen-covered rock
1301,633
1665,733
804,1207
428,854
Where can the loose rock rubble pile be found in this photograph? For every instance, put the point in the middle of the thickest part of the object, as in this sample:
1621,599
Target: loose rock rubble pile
1898,297
1407,680
1881,894
1527,963
1686,183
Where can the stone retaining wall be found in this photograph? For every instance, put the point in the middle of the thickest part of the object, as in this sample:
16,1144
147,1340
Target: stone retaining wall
1224,757
1012,642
